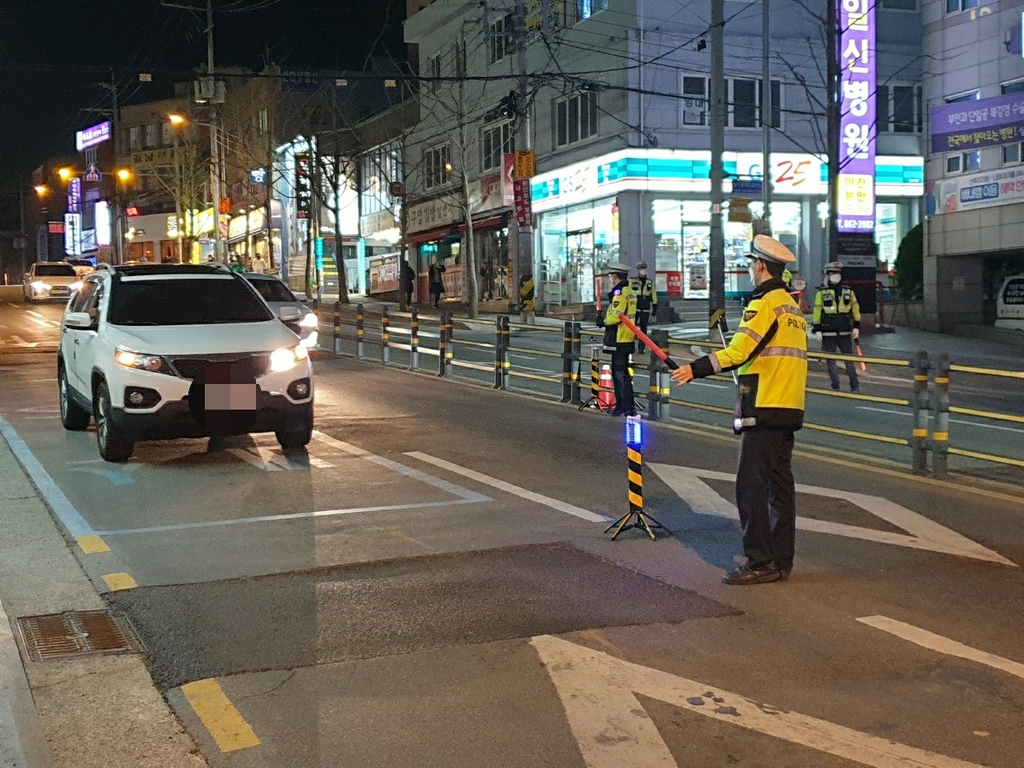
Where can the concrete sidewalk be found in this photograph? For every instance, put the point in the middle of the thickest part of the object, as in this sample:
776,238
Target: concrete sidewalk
82,712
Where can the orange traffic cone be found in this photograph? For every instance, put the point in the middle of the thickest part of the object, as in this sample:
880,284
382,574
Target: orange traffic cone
606,393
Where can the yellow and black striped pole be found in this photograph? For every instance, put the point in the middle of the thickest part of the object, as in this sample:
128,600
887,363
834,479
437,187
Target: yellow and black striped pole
919,439
636,517
595,379
940,432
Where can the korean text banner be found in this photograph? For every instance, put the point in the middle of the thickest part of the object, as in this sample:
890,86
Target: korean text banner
966,125
856,204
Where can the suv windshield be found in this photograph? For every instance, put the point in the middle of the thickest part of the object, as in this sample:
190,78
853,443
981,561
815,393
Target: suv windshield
185,302
55,270
272,290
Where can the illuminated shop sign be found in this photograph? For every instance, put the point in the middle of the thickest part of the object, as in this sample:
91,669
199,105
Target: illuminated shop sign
90,137
856,203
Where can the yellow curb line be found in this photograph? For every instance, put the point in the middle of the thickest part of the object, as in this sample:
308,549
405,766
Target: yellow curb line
118,581
220,717
92,544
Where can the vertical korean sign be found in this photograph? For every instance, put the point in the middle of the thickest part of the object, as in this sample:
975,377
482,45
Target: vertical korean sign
303,186
856,206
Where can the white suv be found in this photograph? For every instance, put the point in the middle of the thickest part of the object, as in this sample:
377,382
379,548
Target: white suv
134,338
50,280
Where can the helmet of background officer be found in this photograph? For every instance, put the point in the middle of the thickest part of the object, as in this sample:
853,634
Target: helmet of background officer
768,259
619,271
641,269
833,273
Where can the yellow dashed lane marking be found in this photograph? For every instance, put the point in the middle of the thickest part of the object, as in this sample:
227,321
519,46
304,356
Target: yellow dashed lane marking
92,544
119,581
222,720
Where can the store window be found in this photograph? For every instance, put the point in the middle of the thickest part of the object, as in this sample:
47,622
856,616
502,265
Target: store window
892,222
576,246
575,118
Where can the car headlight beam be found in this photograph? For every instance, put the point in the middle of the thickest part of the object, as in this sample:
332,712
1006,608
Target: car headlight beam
286,358
129,359
310,321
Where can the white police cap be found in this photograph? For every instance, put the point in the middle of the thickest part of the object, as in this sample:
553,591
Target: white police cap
769,249
618,266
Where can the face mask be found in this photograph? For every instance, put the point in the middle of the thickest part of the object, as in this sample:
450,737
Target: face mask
752,271
834,279
642,272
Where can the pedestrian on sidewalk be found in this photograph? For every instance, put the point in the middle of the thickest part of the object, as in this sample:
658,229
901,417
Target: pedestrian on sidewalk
618,339
646,299
408,280
836,322
527,300
769,352
434,280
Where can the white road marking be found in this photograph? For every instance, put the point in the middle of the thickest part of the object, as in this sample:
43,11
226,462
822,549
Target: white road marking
22,343
951,421
59,503
42,320
515,490
613,730
711,384
118,476
922,533
283,517
394,466
934,642
320,463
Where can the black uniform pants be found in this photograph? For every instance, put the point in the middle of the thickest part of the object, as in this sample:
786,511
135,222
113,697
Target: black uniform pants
842,343
643,317
622,382
766,497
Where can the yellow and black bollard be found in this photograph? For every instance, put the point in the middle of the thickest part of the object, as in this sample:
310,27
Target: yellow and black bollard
634,445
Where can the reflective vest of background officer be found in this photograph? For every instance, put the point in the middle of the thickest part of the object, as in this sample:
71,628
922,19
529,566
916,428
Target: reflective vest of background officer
646,298
837,322
769,351
618,339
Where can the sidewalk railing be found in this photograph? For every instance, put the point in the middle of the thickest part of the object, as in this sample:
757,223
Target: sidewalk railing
928,402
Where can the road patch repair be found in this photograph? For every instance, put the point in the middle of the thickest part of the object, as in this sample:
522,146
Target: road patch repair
284,621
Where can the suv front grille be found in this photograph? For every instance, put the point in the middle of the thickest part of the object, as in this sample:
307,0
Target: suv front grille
190,367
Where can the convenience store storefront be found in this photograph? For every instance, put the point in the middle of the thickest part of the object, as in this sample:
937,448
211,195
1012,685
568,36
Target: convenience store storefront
653,205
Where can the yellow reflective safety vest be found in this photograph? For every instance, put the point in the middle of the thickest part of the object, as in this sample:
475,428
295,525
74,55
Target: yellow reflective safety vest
621,301
769,354
836,311
643,287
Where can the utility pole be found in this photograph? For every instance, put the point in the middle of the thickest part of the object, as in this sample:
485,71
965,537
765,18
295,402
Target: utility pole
716,250
522,235
214,138
767,117
115,122
832,47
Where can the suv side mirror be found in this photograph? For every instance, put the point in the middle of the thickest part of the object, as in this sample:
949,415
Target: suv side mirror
289,314
80,320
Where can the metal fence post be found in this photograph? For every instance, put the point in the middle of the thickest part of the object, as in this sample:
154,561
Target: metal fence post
664,377
360,351
575,349
497,352
654,371
414,339
337,327
940,404
919,441
442,343
566,361
385,349
505,364
449,351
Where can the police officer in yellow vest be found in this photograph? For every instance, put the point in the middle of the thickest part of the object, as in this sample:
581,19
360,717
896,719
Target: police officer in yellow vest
837,322
769,351
646,298
618,339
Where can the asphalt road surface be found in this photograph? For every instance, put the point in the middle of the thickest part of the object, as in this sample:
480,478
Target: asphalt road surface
430,584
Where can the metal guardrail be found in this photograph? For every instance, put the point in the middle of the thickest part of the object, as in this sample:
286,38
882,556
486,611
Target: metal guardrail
928,401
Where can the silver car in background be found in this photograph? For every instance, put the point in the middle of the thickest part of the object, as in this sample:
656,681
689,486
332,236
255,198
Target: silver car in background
277,295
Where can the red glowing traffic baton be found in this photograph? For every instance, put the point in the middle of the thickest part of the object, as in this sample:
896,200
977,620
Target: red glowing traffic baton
655,349
863,365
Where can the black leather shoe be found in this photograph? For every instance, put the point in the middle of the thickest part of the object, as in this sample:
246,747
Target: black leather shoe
784,575
748,574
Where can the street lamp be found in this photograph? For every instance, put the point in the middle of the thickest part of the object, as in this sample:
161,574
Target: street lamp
42,190
178,121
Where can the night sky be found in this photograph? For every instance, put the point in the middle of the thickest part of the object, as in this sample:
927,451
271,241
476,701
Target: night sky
53,53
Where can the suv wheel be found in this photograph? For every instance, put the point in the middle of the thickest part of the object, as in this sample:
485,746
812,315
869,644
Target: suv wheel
299,436
114,445
73,416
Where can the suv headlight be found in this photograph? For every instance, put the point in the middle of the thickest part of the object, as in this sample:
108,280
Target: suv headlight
75,287
129,359
39,285
286,358
310,321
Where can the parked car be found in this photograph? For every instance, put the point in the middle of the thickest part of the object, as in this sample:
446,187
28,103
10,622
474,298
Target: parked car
50,280
278,295
135,338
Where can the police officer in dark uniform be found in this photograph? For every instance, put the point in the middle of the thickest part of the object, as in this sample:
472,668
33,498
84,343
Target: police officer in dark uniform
646,299
769,351
618,339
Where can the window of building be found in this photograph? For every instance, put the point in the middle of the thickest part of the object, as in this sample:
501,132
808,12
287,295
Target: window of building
898,5
575,118
437,163
963,162
151,136
955,6
434,71
501,41
166,136
1017,86
972,95
459,50
743,102
135,137
263,121
898,108
1012,154
495,141
587,8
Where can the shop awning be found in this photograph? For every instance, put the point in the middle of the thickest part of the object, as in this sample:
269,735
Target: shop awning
451,230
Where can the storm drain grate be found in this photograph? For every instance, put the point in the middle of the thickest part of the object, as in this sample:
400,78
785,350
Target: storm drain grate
77,633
